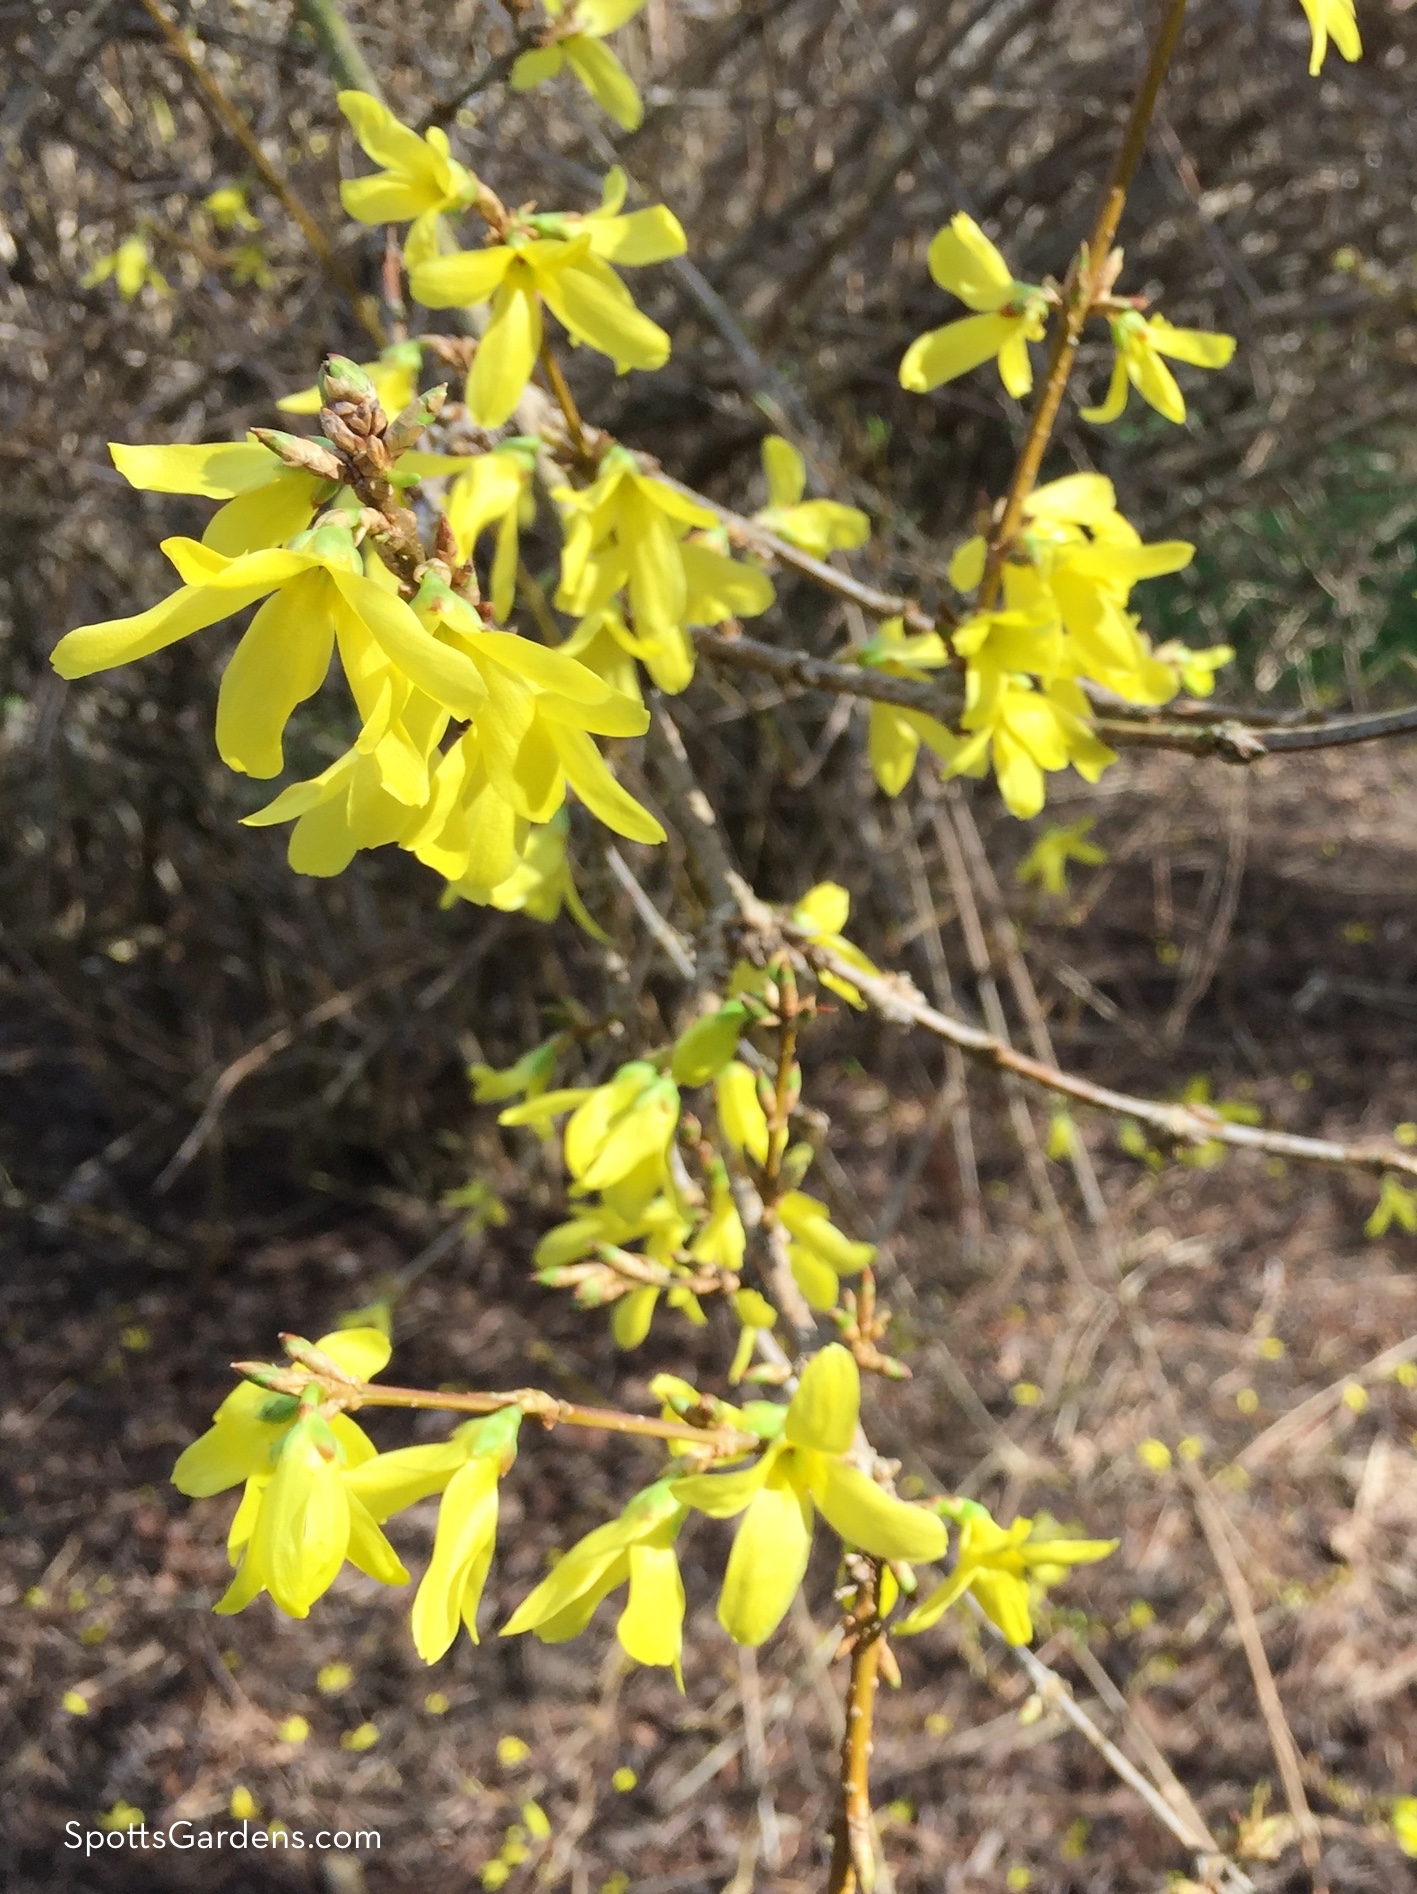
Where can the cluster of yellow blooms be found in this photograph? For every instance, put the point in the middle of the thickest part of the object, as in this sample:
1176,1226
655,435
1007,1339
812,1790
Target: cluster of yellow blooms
1061,620
470,736
415,667
317,1493
629,1182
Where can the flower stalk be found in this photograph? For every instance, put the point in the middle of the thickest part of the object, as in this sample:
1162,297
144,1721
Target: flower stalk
1086,282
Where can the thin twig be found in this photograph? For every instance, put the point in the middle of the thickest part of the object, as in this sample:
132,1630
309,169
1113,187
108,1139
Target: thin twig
668,937
895,997
1054,1690
1230,737
231,121
535,1403
853,1862
1079,294
1217,1531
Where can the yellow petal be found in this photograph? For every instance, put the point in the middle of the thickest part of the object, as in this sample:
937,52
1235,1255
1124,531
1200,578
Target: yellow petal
461,279
741,1117
595,315
1116,398
893,747
606,80
462,1555
632,1315
824,1411
217,470
651,1627
865,1516
963,261
389,1482
589,775
361,1352
768,1561
506,354
282,659
644,236
786,471
383,199
92,648
536,66
1202,348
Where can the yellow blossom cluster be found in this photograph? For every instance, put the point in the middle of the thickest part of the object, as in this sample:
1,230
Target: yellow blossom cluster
1061,621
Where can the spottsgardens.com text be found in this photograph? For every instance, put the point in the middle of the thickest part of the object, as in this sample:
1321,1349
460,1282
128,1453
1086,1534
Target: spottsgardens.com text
242,1836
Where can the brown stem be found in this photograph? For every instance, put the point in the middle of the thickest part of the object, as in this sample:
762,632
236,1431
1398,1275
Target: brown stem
535,1403
782,1087
1079,294
894,997
227,116
853,1862
1233,734
565,400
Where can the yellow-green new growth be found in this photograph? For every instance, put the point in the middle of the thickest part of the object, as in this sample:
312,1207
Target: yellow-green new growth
802,1473
1047,861
1010,315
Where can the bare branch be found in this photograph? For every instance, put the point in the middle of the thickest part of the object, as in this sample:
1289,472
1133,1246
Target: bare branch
895,998
1230,736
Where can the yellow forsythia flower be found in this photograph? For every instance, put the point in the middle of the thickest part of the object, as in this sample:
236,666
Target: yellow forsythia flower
1332,19
1140,342
465,1470
895,734
1010,315
296,1526
1047,861
636,1549
817,526
132,269
576,42
420,179
802,1473
540,884
564,261
996,1564
628,532
297,1521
